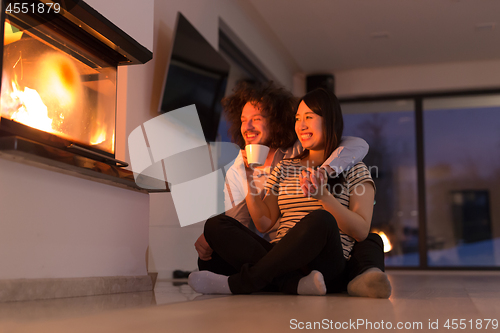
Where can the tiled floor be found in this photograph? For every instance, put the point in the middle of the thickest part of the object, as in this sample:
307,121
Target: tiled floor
419,299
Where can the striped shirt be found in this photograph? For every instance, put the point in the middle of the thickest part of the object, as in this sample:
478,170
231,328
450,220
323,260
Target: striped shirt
284,181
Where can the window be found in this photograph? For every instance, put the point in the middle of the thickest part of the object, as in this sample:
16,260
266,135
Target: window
438,182
462,177
389,128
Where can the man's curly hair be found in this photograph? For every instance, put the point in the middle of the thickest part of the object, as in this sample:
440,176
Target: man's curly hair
277,105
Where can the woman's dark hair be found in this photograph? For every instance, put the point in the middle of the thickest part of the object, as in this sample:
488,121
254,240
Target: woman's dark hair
325,103
277,105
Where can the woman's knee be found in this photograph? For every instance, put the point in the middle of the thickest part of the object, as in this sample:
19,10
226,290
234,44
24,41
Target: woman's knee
375,238
321,219
214,224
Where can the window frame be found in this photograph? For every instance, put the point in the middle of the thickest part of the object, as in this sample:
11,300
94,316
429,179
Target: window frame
418,99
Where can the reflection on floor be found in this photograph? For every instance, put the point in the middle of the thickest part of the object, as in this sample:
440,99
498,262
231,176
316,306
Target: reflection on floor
420,301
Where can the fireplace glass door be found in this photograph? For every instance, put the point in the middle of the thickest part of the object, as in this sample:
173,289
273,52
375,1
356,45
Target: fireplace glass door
54,84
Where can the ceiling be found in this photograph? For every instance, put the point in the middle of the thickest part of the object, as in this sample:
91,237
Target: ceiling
336,35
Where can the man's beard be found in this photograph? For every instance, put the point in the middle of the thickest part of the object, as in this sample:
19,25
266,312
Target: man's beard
264,142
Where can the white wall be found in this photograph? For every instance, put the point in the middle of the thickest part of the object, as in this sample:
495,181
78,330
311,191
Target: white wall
418,78
132,17
58,226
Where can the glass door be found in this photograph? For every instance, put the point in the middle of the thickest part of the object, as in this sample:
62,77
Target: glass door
389,128
462,180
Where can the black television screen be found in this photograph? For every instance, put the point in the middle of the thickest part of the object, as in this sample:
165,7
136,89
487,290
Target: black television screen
197,74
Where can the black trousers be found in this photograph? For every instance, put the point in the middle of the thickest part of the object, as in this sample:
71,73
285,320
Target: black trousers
253,264
366,254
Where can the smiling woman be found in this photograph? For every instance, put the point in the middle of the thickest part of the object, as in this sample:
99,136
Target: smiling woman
309,128
310,111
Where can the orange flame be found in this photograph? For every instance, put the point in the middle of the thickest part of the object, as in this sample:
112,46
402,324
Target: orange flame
58,96
32,111
26,105
99,137
385,239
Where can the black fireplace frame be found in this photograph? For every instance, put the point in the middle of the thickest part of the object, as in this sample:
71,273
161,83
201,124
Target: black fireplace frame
86,27
83,25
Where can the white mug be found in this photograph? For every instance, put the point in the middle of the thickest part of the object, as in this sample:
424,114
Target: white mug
256,154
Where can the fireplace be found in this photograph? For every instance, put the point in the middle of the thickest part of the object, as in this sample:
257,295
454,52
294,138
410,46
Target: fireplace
58,87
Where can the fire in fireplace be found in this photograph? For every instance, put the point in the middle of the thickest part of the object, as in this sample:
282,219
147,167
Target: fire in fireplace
59,74
72,97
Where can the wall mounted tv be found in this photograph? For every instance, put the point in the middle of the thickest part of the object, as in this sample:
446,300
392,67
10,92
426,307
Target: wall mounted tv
197,74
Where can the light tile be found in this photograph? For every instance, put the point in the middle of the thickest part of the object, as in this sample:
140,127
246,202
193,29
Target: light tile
418,299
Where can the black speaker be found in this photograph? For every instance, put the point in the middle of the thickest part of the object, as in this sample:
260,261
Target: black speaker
326,81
